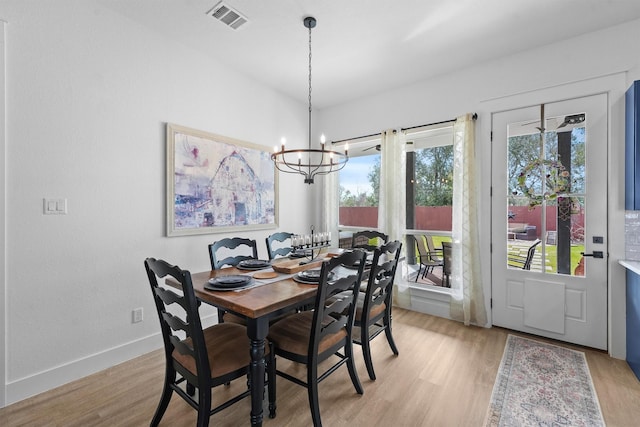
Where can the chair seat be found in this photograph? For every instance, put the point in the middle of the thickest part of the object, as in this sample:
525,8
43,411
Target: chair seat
292,334
227,345
374,311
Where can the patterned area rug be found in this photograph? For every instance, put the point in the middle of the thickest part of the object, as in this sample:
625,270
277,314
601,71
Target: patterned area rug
540,384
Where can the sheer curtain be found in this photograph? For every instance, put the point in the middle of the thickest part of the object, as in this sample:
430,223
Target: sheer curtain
331,207
392,198
467,299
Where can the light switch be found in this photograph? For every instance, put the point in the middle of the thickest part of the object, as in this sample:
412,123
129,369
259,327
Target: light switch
55,206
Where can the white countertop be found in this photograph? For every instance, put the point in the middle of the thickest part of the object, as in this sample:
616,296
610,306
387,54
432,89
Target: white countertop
631,265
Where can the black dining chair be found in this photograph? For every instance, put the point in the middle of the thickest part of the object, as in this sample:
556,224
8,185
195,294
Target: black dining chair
276,246
373,309
368,239
310,337
229,252
198,359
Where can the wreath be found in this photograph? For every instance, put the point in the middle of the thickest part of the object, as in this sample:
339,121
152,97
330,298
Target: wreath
557,179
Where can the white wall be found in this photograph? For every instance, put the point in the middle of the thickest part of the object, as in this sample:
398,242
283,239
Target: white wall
88,95
591,63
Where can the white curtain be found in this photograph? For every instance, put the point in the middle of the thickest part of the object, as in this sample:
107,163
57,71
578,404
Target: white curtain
392,199
467,300
331,206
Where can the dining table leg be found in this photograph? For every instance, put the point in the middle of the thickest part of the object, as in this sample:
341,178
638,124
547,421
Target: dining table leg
257,330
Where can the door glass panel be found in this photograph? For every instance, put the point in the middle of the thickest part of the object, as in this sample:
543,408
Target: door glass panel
546,188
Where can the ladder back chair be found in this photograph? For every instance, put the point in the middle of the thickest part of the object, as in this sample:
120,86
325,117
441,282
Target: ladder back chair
373,309
201,359
275,247
368,239
230,252
310,337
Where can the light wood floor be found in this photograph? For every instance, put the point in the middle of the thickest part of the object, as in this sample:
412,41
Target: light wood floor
443,376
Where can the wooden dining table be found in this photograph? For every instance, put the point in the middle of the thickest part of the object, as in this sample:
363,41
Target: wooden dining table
258,305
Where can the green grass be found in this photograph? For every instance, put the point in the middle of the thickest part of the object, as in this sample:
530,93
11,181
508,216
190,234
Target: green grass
552,251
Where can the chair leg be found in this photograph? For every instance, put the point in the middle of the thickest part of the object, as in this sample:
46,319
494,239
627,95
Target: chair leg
348,352
387,332
312,391
167,391
419,270
204,407
366,353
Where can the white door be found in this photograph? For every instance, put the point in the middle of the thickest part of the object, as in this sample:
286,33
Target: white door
549,190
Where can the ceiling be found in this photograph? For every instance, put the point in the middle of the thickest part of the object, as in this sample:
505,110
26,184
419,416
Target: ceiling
362,47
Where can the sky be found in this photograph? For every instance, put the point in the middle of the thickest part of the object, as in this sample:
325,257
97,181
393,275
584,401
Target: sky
354,176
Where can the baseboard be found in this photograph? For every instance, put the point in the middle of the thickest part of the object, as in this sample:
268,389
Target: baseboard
60,375
55,377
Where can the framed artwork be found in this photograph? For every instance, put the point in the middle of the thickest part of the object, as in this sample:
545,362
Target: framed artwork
217,184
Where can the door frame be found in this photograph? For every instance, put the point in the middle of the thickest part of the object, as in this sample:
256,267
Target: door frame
3,223
614,85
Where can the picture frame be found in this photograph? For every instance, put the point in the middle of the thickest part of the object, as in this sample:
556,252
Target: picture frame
217,184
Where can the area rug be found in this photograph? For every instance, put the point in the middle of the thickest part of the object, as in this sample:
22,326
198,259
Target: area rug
540,384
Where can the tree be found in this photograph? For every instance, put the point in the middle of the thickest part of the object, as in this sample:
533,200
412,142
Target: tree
374,180
434,176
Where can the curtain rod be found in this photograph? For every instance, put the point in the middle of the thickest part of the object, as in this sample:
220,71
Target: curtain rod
474,117
357,137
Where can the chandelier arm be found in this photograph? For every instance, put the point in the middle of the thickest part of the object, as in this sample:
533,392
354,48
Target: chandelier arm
297,171
331,170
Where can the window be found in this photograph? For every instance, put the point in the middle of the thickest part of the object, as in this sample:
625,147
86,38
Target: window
429,191
359,183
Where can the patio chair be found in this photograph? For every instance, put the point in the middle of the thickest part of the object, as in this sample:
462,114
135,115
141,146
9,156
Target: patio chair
523,262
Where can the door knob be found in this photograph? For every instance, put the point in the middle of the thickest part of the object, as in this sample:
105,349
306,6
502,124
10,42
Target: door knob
595,254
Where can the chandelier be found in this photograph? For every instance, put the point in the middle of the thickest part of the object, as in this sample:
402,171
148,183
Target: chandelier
311,161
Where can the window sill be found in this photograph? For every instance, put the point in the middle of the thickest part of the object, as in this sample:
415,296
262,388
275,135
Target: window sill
417,288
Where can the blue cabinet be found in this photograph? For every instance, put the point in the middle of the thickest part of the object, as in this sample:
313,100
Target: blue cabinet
632,147
633,321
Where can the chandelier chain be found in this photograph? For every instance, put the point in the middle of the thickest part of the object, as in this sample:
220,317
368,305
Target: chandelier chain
309,162
310,87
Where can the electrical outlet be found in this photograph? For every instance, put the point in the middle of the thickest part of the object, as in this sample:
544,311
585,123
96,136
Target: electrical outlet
137,315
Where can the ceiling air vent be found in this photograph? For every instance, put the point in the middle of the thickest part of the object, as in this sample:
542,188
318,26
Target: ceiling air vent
228,15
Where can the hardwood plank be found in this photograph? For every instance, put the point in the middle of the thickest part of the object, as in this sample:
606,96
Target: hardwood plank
443,376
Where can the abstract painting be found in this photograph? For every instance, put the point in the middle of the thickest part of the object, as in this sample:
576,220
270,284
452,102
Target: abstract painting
217,184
